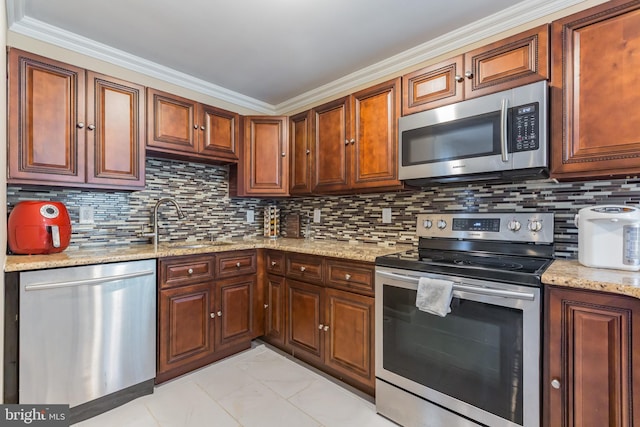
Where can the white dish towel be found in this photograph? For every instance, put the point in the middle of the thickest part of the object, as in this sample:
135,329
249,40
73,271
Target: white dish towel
434,296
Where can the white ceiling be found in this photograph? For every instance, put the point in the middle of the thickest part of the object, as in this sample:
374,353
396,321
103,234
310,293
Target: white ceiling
269,55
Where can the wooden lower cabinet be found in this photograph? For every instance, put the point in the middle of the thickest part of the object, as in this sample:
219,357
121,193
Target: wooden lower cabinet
201,319
274,322
304,327
592,347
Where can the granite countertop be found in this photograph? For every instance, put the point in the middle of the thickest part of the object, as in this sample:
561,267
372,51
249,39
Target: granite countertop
571,273
114,253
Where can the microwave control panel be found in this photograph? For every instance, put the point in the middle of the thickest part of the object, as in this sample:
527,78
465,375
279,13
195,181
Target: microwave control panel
525,128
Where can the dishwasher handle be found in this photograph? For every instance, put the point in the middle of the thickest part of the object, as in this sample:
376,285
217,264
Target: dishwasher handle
467,288
90,282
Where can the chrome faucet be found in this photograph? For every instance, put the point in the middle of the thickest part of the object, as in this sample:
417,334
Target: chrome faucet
181,215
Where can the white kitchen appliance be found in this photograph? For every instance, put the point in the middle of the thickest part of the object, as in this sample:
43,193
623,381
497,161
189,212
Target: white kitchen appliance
609,237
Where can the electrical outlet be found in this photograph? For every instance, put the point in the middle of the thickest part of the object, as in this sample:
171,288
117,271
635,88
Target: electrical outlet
251,217
386,215
86,215
316,216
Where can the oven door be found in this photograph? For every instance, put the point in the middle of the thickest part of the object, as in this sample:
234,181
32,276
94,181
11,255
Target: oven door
481,361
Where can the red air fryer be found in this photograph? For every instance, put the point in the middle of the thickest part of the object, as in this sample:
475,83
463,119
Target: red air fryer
37,227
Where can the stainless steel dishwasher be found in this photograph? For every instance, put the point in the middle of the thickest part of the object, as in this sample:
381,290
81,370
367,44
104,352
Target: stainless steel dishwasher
87,335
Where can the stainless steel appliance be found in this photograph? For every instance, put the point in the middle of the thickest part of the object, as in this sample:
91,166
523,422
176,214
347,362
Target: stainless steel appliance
609,237
479,364
502,135
87,333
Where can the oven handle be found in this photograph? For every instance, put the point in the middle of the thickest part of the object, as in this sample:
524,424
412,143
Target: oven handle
504,148
467,288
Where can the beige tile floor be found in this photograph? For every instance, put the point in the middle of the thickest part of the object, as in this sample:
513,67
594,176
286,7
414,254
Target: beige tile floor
259,387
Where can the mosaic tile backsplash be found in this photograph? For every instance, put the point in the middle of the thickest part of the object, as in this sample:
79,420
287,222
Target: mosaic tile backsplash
202,192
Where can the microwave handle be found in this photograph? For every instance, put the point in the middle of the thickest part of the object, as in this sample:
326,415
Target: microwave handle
504,109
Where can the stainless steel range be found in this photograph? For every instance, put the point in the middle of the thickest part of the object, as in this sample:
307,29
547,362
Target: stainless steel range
479,365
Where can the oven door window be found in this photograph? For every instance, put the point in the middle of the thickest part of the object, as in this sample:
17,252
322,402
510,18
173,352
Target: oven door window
474,354
477,136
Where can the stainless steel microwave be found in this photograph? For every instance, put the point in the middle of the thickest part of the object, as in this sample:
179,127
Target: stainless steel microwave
502,135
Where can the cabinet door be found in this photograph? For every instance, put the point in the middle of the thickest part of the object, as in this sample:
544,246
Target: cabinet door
185,331
266,167
305,335
375,150
507,63
301,153
116,132
275,313
219,133
331,130
348,332
46,120
592,341
433,86
594,96
171,122
234,313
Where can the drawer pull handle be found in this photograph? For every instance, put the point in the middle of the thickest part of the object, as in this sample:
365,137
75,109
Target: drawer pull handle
273,263
238,264
219,314
320,326
303,268
347,276
190,271
326,328
555,384
212,315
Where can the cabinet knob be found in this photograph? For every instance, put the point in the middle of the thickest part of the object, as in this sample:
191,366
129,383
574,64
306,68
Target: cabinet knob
459,78
196,126
201,127
212,315
283,154
326,328
346,142
91,127
468,74
266,306
238,264
80,125
190,271
555,383
347,276
320,326
219,314
273,263
353,141
308,151
303,268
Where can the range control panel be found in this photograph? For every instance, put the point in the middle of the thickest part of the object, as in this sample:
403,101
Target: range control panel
513,227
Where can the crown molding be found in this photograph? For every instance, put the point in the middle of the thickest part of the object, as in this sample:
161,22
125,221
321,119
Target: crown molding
514,16
497,23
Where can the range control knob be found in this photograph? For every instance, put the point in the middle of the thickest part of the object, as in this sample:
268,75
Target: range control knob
442,224
535,225
514,225
427,223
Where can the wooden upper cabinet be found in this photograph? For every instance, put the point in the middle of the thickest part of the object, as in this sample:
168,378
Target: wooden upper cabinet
511,62
594,95
356,142
264,168
72,127
591,350
301,159
331,130
116,132
181,128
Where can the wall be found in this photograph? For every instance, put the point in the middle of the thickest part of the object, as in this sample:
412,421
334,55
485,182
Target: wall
360,217
201,190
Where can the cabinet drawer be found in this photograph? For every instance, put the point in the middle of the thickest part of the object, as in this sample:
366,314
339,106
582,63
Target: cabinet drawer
235,263
350,276
308,268
274,262
178,271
